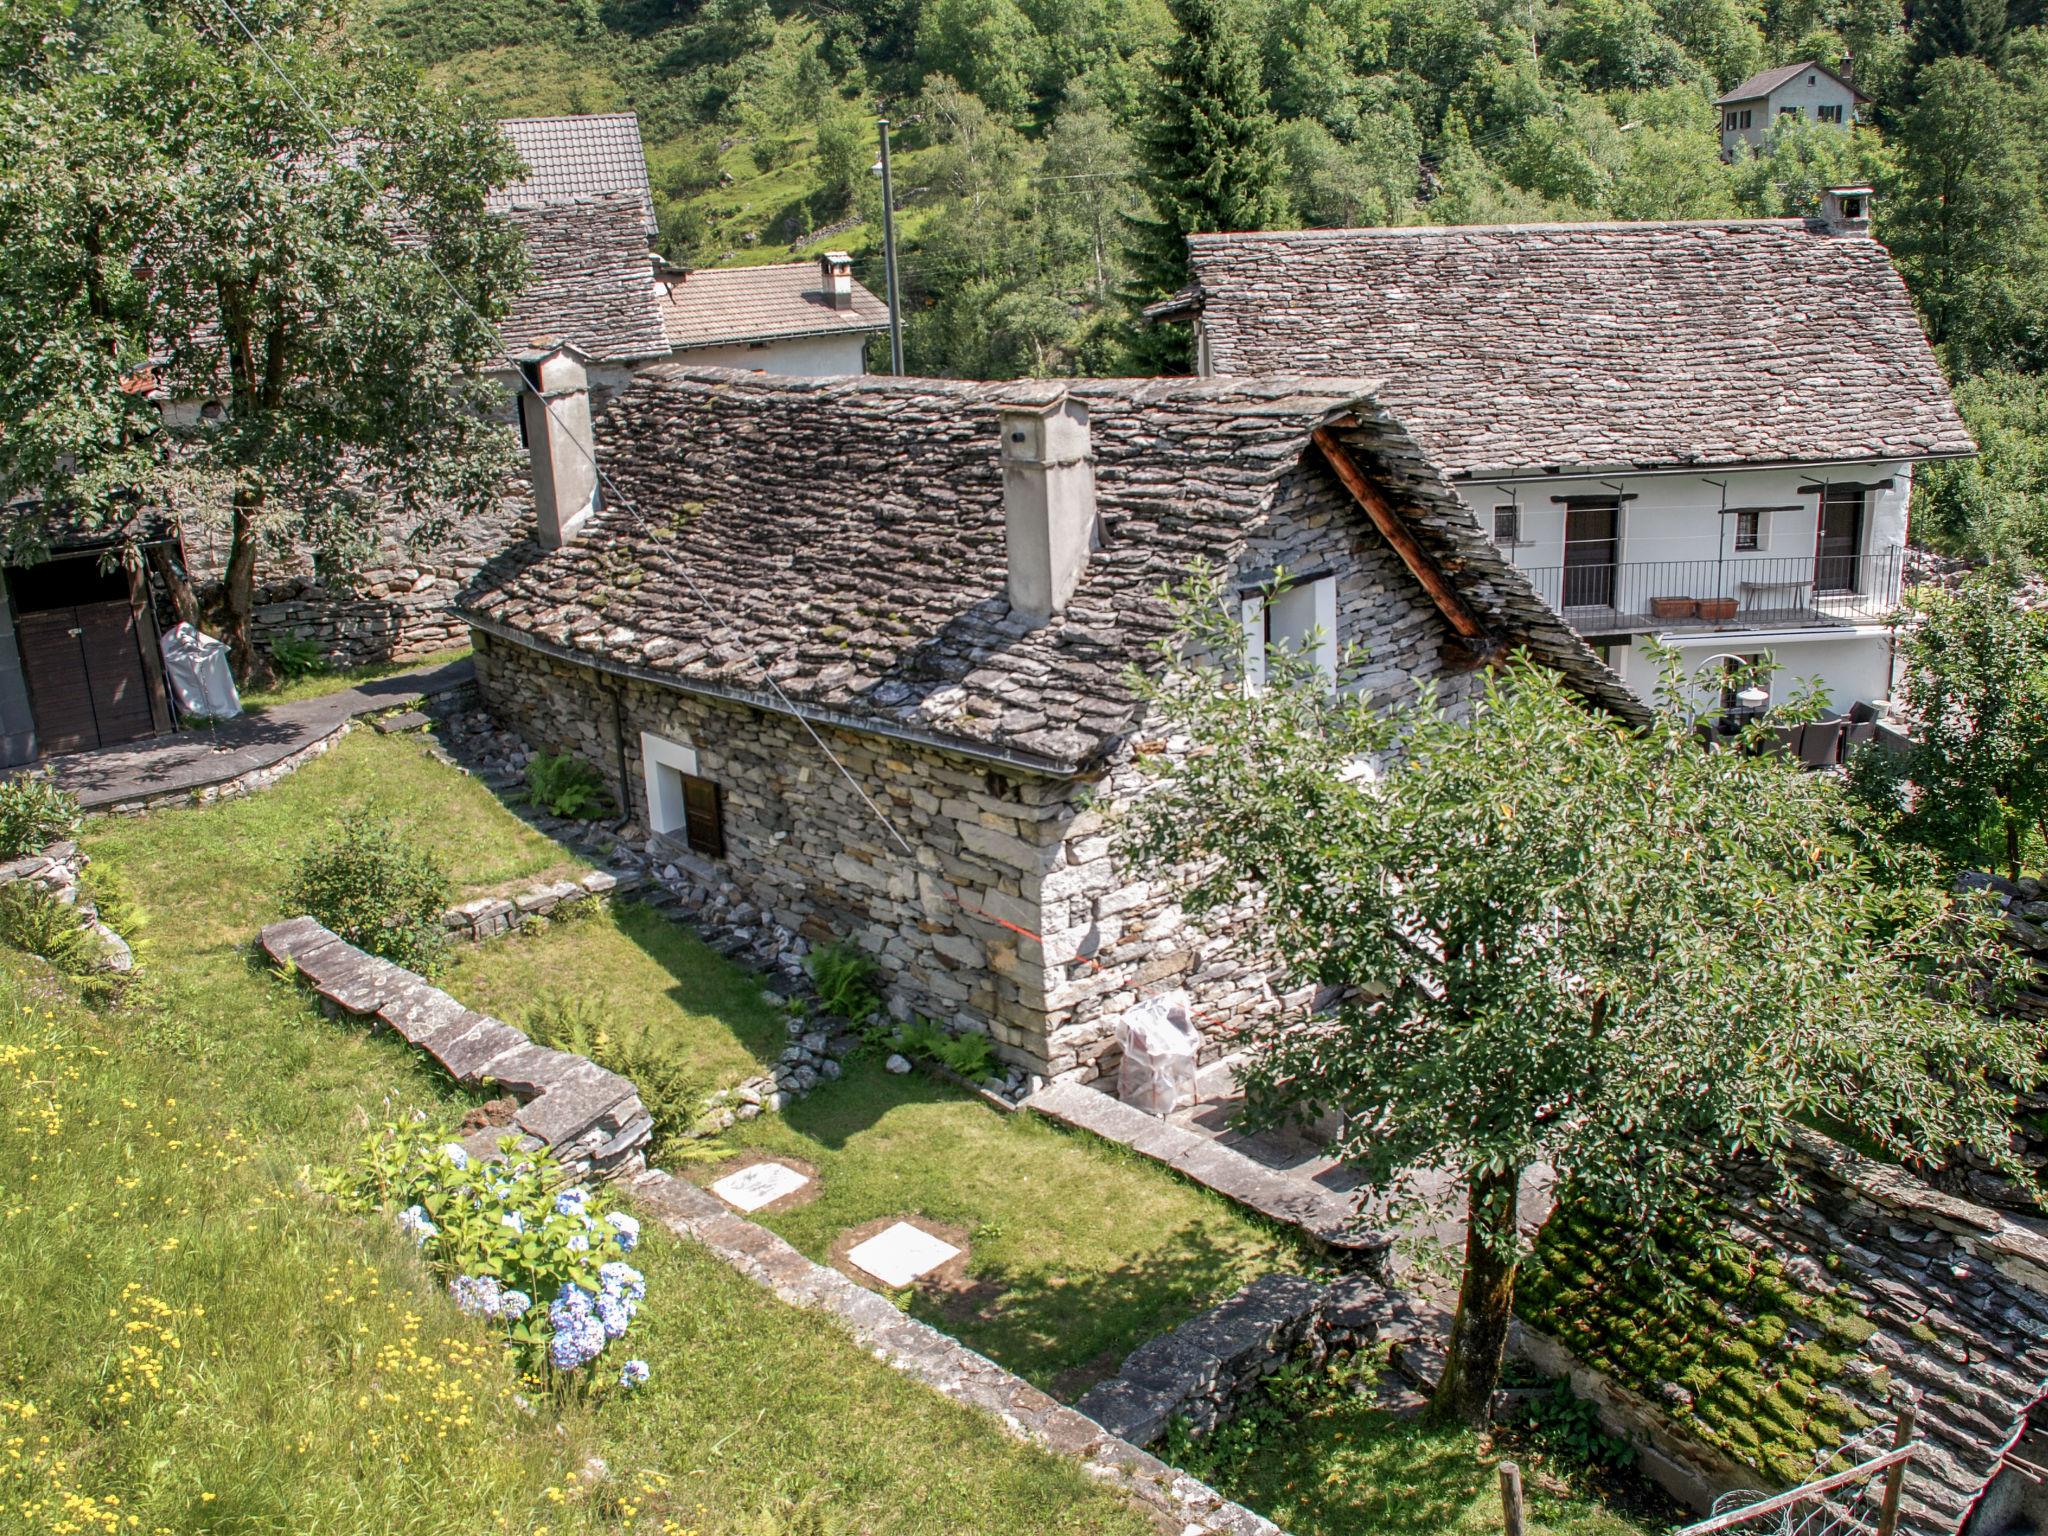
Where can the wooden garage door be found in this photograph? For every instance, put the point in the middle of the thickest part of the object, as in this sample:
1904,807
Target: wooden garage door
86,682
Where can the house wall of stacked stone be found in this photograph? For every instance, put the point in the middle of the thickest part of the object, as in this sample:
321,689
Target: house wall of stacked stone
991,845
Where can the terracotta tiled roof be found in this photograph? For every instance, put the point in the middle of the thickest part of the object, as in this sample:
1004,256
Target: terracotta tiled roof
852,529
1554,346
590,281
721,305
1757,87
568,157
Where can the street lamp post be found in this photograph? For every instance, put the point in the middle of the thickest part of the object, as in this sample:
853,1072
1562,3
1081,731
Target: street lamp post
889,255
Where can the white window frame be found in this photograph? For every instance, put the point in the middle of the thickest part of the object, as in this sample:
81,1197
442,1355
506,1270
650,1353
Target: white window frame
1323,594
660,760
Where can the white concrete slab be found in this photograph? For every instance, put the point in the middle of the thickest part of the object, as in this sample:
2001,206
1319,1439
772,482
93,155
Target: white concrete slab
902,1253
759,1185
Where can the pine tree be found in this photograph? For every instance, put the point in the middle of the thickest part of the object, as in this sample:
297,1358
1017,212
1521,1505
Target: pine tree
1207,160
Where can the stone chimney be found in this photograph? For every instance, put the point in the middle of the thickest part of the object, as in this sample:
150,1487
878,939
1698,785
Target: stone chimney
554,418
837,269
1048,503
1845,210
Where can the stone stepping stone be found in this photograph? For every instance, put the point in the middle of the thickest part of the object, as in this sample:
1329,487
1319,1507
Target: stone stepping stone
393,725
758,1185
899,1255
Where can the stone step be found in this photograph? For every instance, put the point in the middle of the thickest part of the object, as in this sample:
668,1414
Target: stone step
1327,1219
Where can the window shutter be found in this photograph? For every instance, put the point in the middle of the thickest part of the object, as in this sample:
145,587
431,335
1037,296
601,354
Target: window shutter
703,817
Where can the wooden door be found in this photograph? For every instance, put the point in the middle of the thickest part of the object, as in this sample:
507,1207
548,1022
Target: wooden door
1592,547
1836,563
86,682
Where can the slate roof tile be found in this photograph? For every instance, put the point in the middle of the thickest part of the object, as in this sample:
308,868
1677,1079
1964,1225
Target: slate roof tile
570,157
715,306
590,279
851,531
1561,346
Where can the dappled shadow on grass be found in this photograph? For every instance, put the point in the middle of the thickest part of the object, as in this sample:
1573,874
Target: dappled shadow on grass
1064,1330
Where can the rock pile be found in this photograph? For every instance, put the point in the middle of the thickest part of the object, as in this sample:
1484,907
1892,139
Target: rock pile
56,870
1203,1370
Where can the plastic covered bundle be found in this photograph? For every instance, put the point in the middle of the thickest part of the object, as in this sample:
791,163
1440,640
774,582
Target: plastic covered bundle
197,666
1161,1052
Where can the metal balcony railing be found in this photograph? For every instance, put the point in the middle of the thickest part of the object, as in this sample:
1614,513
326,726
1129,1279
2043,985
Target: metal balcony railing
1738,592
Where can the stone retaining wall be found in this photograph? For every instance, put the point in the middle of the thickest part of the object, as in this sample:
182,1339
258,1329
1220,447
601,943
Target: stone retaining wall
1181,1503
56,870
488,916
591,1119
1203,1370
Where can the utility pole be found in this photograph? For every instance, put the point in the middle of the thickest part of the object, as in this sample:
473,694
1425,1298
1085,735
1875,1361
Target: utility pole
889,256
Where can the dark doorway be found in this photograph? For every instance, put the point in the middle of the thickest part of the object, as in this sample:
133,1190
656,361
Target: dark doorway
1836,566
1592,548
82,634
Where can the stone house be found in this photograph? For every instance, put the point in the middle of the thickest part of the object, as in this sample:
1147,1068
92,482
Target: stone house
1803,90
1695,432
949,585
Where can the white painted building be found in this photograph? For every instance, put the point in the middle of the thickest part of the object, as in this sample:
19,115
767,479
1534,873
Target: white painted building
1805,90
1696,434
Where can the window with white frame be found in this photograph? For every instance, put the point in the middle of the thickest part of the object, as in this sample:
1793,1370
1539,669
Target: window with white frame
1299,617
1749,531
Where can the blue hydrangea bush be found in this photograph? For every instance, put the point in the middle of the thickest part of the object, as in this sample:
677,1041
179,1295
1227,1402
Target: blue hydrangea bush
515,1242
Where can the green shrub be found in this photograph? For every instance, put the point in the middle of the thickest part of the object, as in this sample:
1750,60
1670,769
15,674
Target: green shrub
33,920
34,813
376,892
295,656
845,979
515,1244
969,1055
1569,1426
670,1091
566,785
115,902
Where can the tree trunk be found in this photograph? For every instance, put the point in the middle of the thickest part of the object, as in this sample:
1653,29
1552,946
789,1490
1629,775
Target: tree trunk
1486,1304
2012,847
238,585
177,584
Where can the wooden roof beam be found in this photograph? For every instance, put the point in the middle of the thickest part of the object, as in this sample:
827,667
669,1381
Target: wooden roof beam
1466,624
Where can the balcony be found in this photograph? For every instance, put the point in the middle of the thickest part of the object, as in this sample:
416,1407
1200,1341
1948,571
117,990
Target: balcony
1738,592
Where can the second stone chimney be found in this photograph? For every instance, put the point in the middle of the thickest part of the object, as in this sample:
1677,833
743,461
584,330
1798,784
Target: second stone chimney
1845,210
1048,503
554,418
837,268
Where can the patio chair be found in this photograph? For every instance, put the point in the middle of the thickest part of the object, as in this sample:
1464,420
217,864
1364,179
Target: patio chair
1820,743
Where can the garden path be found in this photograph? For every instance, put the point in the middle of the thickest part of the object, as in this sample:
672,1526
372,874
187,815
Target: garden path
204,756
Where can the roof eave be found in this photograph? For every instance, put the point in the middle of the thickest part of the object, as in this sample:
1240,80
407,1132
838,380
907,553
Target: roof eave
748,338
1492,473
782,704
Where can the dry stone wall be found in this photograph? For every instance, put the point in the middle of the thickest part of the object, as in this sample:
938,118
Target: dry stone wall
56,871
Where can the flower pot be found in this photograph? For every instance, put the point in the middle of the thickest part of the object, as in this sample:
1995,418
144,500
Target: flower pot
1673,607
1717,610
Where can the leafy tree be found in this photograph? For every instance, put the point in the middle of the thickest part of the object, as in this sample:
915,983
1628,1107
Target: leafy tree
1371,181
168,203
1206,161
1975,781
1948,29
1801,159
846,148
1085,189
988,46
1546,939
1614,45
1319,54
1966,222
1994,506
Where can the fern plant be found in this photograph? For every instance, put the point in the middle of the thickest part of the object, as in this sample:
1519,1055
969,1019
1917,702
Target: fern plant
33,920
296,656
566,785
970,1055
670,1090
845,979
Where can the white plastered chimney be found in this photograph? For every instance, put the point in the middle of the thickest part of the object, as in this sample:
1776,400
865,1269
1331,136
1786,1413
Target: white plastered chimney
554,417
1049,518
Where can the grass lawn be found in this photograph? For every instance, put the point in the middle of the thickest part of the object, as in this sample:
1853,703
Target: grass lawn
312,687
1350,1469
1078,1251
286,1367
637,970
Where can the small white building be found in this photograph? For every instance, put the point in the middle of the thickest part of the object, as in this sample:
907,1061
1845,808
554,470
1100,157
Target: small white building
801,318
1700,433
1804,90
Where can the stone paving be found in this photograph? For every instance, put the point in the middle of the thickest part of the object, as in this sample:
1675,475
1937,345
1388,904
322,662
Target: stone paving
209,762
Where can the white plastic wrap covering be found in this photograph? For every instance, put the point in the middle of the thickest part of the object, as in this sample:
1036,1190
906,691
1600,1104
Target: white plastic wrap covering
1161,1053
197,666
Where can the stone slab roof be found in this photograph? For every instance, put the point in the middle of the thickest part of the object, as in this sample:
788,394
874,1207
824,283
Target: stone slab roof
720,306
851,532
1593,346
571,157
1949,1298
1758,86
590,280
